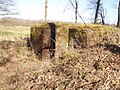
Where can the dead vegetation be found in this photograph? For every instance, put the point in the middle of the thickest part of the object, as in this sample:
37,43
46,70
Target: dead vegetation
91,68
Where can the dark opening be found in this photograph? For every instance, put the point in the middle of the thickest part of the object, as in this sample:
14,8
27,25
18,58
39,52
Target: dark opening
77,39
52,41
72,38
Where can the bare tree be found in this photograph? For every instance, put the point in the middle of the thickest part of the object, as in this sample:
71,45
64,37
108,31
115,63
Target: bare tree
118,22
97,7
46,7
6,7
102,14
76,10
75,6
97,11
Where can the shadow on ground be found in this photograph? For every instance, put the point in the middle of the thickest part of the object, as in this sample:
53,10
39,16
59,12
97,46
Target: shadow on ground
112,48
115,49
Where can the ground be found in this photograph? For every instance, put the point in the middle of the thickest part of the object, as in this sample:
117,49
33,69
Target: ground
93,68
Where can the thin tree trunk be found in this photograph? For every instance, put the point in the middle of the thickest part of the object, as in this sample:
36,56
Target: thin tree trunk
103,22
118,23
97,11
76,10
102,16
75,7
46,7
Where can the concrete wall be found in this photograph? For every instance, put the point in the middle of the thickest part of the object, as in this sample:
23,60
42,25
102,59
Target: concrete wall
53,39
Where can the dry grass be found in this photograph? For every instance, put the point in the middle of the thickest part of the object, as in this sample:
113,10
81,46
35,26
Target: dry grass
93,68
13,33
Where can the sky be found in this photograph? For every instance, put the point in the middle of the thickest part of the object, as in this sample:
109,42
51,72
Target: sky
60,10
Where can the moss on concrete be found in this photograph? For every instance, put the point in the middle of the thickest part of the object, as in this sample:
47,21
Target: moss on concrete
86,35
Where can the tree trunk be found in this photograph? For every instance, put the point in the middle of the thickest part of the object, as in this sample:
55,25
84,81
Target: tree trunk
97,11
102,16
75,6
118,23
103,22
76,10
46,7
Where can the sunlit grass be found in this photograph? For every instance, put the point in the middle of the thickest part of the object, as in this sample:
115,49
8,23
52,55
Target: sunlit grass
14,32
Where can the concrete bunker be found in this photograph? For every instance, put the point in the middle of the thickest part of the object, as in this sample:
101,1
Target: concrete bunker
51,40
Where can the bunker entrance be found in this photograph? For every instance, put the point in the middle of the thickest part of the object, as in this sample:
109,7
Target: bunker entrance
72,41
77,39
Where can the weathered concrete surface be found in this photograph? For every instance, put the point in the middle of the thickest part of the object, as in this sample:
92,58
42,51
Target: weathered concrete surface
62,34
54,39
40,38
